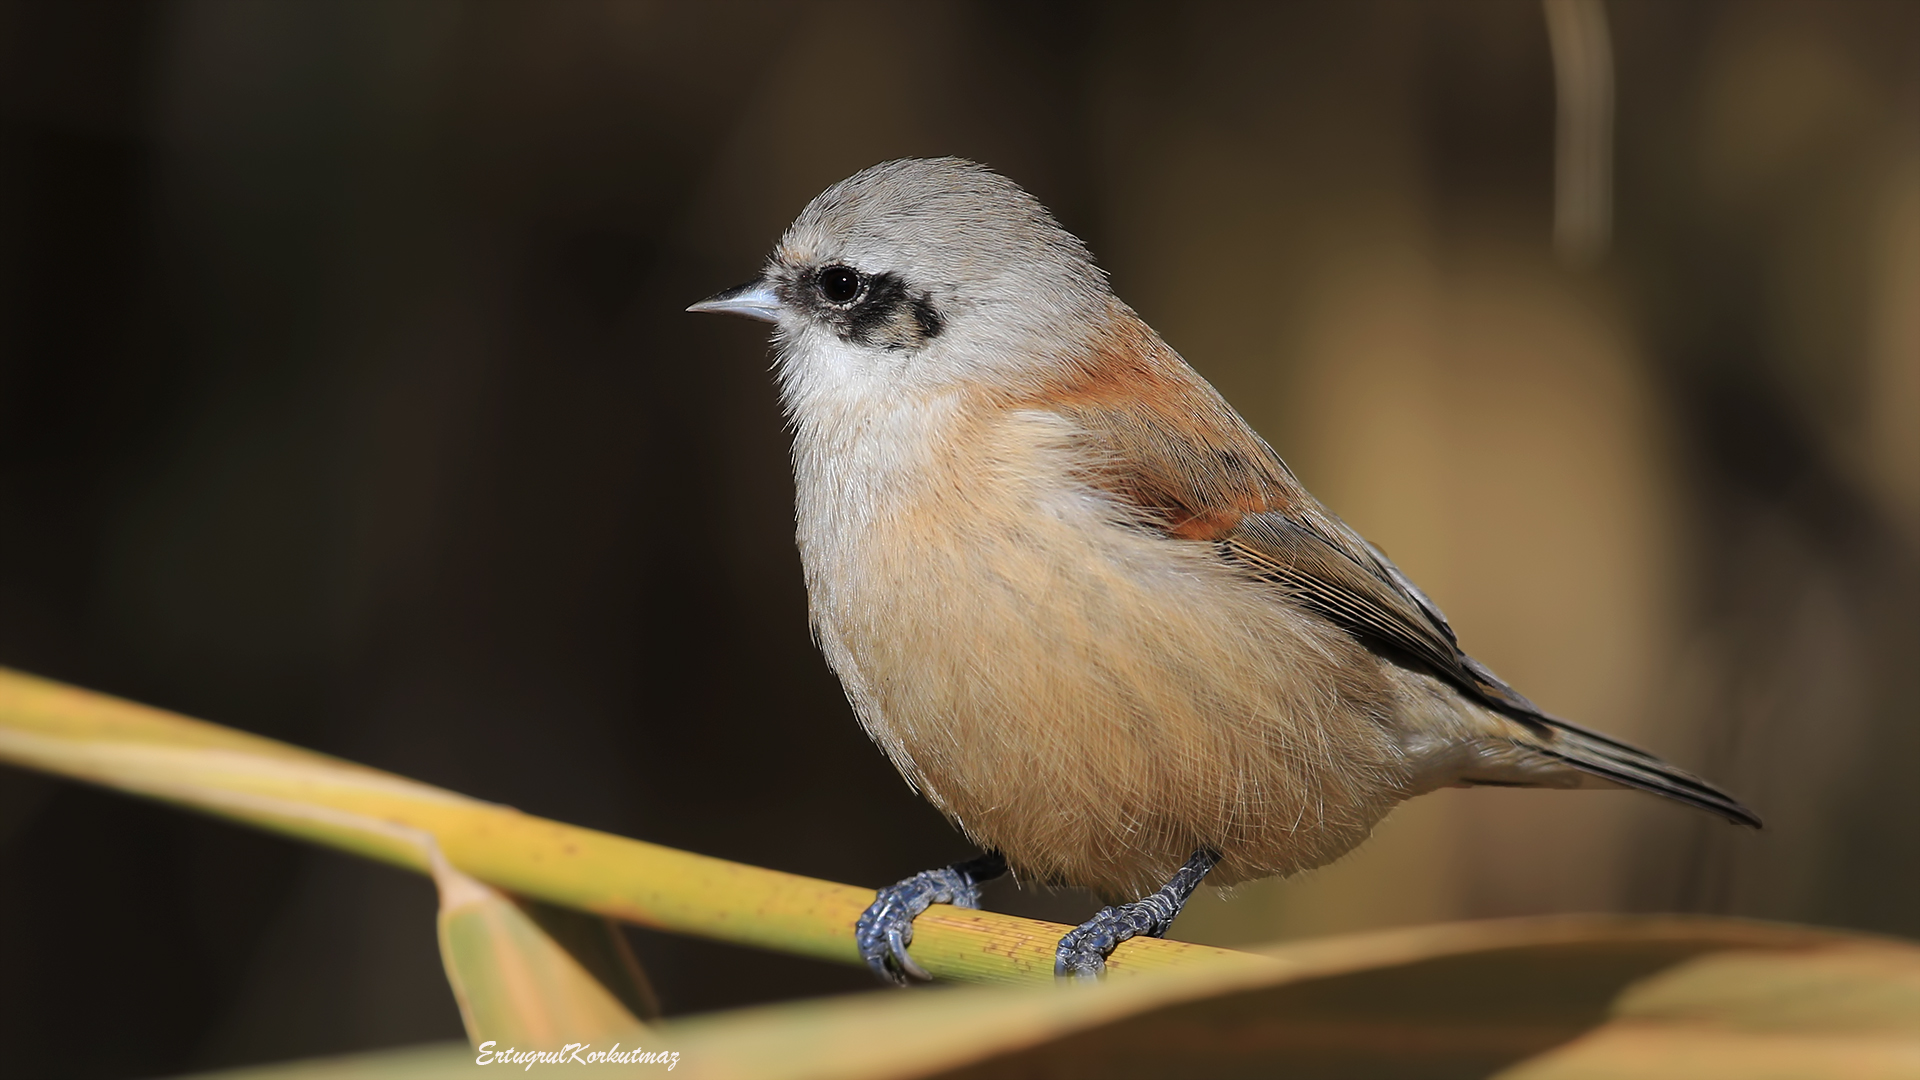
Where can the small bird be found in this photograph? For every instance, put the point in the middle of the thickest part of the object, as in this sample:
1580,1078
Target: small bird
1086,611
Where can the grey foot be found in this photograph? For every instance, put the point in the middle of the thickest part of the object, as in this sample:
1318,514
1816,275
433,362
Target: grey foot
885,929
1083,953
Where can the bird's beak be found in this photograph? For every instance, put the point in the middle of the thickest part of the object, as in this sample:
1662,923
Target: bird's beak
755,300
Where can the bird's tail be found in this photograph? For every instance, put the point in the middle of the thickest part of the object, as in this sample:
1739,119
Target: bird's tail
1609,759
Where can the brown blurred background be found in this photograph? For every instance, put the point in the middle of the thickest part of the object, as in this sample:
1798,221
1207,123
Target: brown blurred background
346,397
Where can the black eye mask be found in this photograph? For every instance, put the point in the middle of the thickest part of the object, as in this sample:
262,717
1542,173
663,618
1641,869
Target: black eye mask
874,310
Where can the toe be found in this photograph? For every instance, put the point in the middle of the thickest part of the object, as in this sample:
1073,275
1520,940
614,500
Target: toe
882,934
885,929
1082,955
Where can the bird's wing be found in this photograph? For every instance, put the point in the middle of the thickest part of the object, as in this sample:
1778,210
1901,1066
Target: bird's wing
1169,446
1330,569
1322,565
1166,444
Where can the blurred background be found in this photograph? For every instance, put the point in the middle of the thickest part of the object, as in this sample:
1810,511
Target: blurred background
346,397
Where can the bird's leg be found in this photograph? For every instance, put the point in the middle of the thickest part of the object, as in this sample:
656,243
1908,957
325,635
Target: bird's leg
885,929
1083,952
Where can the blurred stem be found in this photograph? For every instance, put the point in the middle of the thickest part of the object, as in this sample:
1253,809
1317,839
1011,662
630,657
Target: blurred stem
256,781
1583,165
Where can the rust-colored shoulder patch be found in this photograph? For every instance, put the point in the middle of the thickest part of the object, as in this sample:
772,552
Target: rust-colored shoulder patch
1162,439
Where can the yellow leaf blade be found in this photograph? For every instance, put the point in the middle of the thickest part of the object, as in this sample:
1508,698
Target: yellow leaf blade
134,748
516,985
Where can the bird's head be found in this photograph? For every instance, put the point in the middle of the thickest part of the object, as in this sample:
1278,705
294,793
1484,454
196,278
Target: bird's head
923,275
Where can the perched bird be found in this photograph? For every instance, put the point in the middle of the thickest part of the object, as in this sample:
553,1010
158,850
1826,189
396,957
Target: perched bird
1081,605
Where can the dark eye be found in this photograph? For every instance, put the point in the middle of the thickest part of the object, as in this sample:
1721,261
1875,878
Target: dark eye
839,284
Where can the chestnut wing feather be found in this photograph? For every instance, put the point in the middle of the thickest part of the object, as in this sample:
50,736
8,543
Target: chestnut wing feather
1167,444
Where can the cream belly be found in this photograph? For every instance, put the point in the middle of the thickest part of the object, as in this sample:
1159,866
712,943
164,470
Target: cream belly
1093,699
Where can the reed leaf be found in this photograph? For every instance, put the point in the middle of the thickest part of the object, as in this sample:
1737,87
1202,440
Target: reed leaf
528,974
257,781
1571,998
1553,999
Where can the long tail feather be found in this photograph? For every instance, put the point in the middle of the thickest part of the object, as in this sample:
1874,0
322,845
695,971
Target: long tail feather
1610,759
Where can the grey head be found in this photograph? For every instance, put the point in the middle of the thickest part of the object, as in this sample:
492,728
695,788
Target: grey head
928,265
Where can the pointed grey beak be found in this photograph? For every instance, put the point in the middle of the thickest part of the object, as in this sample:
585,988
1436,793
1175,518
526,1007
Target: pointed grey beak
755,300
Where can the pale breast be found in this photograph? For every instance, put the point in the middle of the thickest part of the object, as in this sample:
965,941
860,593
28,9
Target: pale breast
1091,697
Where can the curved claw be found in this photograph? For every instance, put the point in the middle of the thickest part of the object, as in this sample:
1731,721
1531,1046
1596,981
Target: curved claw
885,929
898,936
